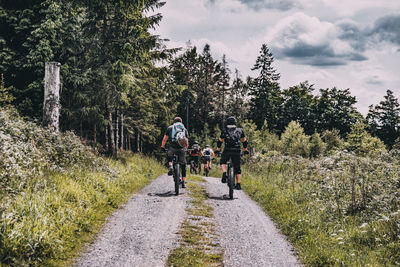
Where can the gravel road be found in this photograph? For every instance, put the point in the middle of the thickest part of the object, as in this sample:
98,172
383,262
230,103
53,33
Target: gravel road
248,236
144,231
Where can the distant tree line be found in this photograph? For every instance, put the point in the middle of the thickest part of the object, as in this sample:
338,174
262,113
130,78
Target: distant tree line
116,95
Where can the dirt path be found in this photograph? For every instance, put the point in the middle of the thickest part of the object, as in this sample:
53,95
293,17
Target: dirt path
247,235
144,231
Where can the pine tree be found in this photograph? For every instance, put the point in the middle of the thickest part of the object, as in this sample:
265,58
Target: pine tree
264,91
384,119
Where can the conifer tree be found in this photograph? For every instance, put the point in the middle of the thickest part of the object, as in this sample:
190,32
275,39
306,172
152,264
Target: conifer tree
384,119
264,90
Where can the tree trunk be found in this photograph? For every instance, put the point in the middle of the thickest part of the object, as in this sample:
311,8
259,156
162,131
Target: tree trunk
111,140
122,131
51,105
137,141
94,133
129,142
117,131
106,138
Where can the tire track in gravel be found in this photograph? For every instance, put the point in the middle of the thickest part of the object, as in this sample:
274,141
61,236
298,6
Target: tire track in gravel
247,235
143,231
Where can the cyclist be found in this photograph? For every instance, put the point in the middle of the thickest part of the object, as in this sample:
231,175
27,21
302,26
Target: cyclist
232,136
178,136
207,154
195,154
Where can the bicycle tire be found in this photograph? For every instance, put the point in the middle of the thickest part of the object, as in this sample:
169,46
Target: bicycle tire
231,181
177,178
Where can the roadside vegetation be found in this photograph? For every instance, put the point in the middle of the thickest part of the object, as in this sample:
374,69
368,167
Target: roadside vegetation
56,193
338,201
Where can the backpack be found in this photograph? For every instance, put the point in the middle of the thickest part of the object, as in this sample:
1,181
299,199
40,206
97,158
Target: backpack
178,134
207,152
232,137
195,148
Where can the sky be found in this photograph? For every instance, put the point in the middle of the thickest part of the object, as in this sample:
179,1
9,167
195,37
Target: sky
329,43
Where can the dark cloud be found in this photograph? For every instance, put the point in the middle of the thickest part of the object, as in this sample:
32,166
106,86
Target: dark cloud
353,35
374,80
306,54
387,28
282,5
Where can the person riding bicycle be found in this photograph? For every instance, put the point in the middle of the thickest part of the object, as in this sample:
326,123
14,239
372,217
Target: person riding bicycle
207,154
195,154
232,136
178,136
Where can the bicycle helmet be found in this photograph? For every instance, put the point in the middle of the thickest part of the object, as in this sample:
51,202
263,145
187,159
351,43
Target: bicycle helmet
231,121
195,142
207,145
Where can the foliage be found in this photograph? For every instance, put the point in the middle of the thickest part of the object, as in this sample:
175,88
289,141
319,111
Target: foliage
384,119
294,141
335,109
264,91
5,95
362,143
27,151
55,192
336,210
332,140
317,146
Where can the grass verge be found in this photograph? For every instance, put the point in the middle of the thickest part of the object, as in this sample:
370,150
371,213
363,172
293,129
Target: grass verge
54,216
198,246
322,235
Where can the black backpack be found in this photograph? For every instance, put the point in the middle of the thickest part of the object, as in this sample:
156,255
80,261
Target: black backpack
232,137
195,148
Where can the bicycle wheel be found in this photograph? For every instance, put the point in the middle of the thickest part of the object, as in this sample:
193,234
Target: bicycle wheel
177,178
206,170
231,181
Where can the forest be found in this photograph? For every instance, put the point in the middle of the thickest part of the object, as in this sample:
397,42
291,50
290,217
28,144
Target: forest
121,85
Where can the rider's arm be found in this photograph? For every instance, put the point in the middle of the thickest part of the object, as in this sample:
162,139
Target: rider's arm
244,142
219,143
164,141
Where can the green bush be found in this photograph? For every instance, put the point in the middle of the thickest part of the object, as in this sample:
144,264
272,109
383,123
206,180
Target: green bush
55,193
338,210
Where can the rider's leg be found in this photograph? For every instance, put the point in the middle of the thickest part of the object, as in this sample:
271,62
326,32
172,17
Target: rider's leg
237,170
170,154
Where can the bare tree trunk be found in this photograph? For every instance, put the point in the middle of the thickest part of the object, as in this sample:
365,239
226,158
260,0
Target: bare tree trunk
122,131
106,139
94,133
129,142
81,128
117,131
51,105
137,141
111,140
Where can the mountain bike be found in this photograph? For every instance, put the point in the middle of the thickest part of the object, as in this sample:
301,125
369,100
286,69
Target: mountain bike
194,167
231,181
177,172
206,168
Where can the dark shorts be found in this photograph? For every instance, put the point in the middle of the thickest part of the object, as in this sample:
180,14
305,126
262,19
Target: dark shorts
178,151
206,158
195,158
235,156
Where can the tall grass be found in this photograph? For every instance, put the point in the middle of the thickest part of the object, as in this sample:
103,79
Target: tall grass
341,210
55,192
48,222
